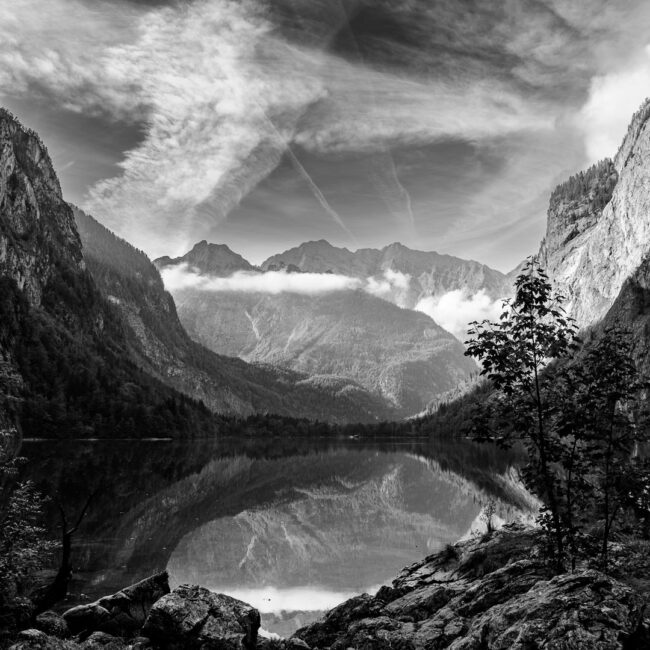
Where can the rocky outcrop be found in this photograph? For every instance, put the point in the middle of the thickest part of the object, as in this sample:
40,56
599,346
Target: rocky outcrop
53,624
599,229
121,614
36,228
495,594
193,617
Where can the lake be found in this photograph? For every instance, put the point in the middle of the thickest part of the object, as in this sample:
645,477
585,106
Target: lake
292,526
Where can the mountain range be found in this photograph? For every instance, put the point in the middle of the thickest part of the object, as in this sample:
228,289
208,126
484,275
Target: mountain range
91,342
429,273
368,329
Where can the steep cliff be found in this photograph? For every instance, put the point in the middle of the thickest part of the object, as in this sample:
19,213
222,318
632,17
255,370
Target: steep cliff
64,370
599,226
158,343
37,231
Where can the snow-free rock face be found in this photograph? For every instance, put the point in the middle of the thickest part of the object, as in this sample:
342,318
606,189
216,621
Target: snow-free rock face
212,259
37,226
599,226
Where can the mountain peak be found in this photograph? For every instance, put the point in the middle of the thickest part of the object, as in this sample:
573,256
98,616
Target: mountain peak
209,259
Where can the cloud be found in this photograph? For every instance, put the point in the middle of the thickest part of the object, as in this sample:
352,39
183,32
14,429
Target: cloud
223,89
219,116
178,278
613,98
456,309
388,286
452,310
392,285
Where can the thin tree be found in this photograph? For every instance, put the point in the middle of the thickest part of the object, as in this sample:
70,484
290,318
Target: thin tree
533,330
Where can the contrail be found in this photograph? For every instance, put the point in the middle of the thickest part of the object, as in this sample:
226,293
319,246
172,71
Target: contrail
404,193
403,199
320,197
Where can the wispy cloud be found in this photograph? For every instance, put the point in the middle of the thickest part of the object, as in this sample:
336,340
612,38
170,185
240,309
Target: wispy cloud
223,91
214,86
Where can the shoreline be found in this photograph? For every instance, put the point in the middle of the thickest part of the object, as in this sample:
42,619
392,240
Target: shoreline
493,591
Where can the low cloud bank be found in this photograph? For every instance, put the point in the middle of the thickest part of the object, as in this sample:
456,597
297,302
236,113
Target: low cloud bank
177,278
453,310
456,309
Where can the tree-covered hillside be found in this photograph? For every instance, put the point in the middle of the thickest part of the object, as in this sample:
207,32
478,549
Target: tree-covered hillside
158,343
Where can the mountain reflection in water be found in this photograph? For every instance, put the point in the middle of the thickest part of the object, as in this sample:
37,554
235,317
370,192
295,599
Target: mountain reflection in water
292,526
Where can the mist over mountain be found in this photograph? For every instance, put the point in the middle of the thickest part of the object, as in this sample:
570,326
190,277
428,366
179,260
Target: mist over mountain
364,315
429,273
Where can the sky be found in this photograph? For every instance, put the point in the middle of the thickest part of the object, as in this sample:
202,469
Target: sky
442,124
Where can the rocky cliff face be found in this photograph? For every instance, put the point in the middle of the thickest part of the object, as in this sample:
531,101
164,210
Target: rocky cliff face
36,229
63,363
599,226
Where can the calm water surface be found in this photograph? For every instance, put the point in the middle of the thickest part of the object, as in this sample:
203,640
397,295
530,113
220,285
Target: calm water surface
293,527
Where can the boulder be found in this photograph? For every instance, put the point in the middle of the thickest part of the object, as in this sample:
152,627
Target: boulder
103,641
33,639
121,614
53,624
194,617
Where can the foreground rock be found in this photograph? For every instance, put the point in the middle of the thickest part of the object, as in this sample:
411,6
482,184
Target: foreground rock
494,595
193,617
121,614
487,594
